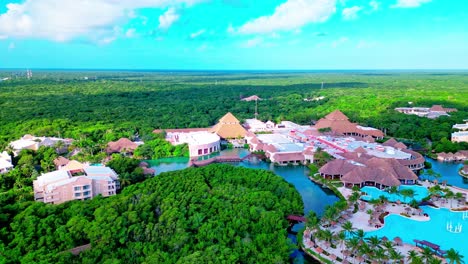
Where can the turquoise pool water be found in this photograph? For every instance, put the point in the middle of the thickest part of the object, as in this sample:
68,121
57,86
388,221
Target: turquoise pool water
434,230
374,193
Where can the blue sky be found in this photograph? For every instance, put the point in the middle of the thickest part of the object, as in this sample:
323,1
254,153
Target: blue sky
234,34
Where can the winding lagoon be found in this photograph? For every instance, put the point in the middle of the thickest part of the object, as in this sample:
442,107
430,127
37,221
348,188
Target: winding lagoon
315,197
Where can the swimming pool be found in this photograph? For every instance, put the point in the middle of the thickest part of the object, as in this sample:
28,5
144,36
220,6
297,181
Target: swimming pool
420,192
434,230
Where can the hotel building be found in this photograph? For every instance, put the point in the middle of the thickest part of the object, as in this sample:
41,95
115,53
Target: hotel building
60,186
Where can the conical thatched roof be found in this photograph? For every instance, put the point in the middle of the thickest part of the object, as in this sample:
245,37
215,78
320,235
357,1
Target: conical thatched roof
228,119
229,127
336,115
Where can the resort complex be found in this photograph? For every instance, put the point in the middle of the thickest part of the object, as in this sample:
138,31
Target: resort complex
462,135
60,186
382,205
33,143
206,141
433,112
457,156
5,162
339,124
123,145
371,176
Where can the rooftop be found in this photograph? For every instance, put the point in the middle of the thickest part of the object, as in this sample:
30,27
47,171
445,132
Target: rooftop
281,142
460,134
99,170
53,176
198,138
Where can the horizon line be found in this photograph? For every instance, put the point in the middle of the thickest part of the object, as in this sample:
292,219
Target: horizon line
237,70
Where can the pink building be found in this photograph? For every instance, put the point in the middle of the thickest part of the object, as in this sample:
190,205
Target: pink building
60,186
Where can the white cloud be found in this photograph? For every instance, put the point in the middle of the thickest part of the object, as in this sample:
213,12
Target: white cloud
253,42
144,20
62,20
230,29
275,35
363,44
168,18
200,32
107,40
410,3
374,5
291,15
11,46
202,47
351,12
339,42
130,33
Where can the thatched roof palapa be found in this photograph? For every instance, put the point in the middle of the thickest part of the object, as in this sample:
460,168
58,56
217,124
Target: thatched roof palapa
123,144
229,127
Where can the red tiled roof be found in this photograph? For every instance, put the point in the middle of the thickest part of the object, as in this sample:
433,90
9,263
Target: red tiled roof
121,145
251,98
390,143
339,124
61,161
437,108
400,145
336,115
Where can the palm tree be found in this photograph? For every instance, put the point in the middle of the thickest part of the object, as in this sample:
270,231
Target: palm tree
396,256
312,220
407,193
365,250
413,257
329,214
374,242
341,237
327,235
454,256
393,190
348,227
449,195
354,197
353,244
435,261
360,235
380,255
388,245
427,255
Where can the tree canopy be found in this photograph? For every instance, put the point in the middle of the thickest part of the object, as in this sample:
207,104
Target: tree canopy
213,214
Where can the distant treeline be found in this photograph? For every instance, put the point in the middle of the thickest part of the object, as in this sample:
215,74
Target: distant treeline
114,104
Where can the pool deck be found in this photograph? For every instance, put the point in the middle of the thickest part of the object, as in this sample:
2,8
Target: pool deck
321,246
442,202
361,220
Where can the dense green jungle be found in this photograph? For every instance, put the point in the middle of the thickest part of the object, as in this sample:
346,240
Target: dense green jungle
214,214
105,105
